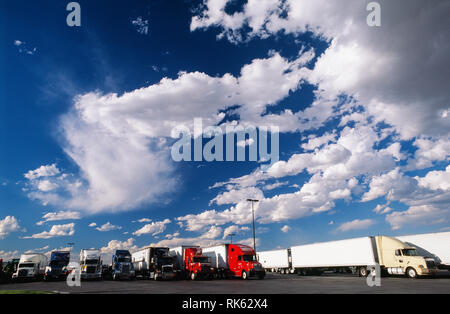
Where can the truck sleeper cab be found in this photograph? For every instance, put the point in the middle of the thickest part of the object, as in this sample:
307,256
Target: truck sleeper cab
57,267
91,264
122,267
196,265
154,263
31,266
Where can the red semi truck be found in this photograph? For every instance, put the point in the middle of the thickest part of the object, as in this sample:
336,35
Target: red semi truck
235,260
191,263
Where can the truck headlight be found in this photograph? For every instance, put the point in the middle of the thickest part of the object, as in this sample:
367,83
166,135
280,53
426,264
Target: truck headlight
421,267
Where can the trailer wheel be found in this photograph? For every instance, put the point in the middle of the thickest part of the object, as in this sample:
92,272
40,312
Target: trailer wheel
411,273
193,276
363,272
244,275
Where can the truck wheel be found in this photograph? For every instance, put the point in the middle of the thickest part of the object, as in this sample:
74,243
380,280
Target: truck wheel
261,276
244,275
193,276
363,272
411,272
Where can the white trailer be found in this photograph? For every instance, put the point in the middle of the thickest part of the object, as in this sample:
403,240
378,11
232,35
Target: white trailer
276,261
345,254
218,255
393,256
433,245
31,266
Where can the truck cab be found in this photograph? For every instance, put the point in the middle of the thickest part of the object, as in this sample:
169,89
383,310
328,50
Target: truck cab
91,264
196,264
163,267
11,268
398,258
122,267
31,266
57,268
243,262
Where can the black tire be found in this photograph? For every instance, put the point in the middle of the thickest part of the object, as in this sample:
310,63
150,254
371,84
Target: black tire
244,275
261,276
411,273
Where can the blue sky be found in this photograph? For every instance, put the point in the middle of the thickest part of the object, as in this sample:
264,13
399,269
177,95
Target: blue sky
87,112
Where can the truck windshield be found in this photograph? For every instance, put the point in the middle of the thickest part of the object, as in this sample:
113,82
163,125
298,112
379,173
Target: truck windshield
58,263
165,260
201,259
91,262
249,258
26,265
124,259
410,252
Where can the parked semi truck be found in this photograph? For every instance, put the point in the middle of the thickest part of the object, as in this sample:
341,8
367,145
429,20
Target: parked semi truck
121,266
361,255
276,261
31,266
191,263
57,267
10,268
3,277
235,260
432,245
154,263
91,264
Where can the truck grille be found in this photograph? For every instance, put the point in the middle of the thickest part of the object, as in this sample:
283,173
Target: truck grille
167,269
125,268
205,269
23,272
430,264
91,269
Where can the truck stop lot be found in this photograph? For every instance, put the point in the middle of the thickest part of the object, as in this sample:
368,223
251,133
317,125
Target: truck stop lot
328,283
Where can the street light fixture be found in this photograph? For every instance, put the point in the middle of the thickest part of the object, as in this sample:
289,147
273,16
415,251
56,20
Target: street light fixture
231,235
253,215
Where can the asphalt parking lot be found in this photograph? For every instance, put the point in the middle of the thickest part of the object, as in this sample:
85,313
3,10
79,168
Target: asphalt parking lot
272,284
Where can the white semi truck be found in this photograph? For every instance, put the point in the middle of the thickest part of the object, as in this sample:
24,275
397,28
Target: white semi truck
433,245
154,263
31,266
277,261
361,255
91,264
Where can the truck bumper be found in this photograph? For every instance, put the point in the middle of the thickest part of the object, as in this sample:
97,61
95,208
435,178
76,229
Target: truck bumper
50,276
167,276
126,276
86,276
427,272
257,273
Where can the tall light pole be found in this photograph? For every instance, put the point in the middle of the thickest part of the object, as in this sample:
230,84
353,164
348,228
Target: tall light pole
253,215
231,235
